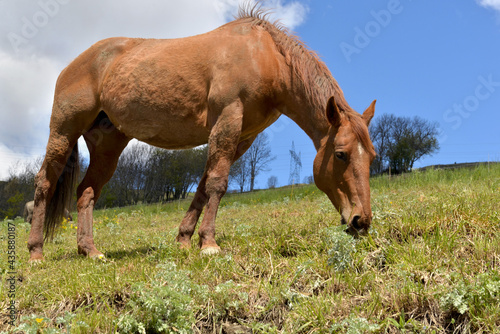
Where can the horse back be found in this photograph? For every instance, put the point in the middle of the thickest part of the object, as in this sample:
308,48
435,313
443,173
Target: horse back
150,88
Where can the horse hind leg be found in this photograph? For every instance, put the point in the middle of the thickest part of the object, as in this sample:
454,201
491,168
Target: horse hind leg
105,145
53,190
75,108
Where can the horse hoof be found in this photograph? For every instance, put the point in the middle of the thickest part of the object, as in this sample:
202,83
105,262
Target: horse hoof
211,250
35,258
35,262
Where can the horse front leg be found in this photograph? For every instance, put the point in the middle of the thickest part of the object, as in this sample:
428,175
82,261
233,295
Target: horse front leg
222,147
188,224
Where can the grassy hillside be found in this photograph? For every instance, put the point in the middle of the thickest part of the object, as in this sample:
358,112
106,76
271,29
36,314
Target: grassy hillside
430,265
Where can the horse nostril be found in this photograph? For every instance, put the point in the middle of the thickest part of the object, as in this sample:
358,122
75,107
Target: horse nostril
355,222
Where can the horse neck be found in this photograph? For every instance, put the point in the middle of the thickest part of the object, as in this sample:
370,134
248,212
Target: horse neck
309,117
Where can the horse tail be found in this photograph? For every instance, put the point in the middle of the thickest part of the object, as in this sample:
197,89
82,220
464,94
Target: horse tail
63,195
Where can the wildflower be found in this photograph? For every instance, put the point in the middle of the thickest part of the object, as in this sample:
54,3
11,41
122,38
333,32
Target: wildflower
39,320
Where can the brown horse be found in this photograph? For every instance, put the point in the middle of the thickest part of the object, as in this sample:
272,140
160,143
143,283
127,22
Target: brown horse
223,87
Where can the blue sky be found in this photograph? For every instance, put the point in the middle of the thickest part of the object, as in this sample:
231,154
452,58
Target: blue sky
439,60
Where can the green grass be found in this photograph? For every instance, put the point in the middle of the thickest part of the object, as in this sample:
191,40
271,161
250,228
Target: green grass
431,264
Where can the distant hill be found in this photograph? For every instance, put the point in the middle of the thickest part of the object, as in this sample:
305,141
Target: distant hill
459,165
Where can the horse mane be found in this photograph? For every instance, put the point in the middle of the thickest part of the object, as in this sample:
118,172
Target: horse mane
315,76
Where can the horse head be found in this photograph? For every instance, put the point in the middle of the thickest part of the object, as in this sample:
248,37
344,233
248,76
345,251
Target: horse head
342,165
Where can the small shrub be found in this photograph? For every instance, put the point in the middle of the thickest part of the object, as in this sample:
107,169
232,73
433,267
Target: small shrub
35,324
229,300
340,248
354,325
466,296
164,305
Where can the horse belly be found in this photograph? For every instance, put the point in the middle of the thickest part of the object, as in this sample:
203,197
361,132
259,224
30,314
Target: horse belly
160,127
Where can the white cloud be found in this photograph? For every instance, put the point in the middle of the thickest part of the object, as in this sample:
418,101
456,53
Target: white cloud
64,28
39,38
494,4
26,89
8,160
291,14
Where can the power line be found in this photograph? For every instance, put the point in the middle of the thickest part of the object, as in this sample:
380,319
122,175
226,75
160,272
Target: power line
295,166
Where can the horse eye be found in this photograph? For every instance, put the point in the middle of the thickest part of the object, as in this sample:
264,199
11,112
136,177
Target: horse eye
341,156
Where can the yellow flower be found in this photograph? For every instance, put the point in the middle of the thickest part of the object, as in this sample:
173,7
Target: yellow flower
39,320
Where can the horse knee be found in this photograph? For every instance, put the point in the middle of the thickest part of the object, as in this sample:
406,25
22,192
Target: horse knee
216,186
42,188
86,198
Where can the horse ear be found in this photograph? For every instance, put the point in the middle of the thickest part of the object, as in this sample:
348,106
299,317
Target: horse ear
333,112
369,112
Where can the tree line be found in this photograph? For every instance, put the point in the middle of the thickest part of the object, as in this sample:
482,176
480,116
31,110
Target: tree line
147,174
18,189
144,174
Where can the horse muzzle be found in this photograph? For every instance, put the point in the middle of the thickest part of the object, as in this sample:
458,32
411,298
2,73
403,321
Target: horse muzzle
358,226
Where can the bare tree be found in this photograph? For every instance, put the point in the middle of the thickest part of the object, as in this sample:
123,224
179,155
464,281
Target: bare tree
272,182
240,173
259,156
380,132
308,179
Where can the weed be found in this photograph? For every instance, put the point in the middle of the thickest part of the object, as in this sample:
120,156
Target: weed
354,325
467,296
341,247
35,324
163,305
